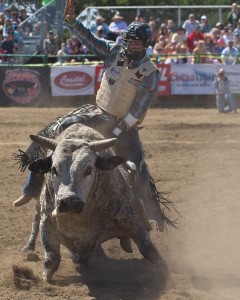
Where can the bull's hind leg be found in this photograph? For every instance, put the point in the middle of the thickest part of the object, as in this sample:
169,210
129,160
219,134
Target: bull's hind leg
51,246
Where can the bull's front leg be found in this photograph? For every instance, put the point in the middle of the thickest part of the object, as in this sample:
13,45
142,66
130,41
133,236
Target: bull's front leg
30,245
143,240
51,246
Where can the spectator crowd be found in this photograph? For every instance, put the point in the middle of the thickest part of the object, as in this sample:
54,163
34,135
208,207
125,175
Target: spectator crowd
195,41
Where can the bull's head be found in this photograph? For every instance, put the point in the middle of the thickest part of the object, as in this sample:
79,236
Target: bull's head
72,168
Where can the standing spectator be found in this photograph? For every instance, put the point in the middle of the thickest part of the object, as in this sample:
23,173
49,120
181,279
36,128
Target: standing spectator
50,46
205,27
223,93
234,15
194,37
190,24
117,26
229,54
99,21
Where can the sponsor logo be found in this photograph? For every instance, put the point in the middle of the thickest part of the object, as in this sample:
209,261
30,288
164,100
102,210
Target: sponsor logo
21,85
115,71
73,80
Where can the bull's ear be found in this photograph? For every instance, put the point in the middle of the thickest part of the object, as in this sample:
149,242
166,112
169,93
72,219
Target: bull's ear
108,163
41,165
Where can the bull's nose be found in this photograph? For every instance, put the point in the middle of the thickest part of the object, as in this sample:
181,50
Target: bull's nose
70,205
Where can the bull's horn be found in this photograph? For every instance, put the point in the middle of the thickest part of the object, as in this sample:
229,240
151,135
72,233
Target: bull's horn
43,141
102,145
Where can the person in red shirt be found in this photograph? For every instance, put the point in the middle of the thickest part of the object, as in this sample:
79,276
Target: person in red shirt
194,37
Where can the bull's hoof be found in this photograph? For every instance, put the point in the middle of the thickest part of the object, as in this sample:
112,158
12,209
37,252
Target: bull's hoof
126,244
24,199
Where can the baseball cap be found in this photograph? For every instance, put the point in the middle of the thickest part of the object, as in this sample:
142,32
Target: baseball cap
203,17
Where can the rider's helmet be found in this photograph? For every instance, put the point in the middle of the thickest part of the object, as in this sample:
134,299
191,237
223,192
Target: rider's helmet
138,31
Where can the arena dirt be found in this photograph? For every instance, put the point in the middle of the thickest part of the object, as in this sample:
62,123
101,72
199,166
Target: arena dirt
194,155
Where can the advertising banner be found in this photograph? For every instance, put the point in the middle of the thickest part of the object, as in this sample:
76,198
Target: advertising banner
24,85
73,80
198,79
164,79
192,79
99,73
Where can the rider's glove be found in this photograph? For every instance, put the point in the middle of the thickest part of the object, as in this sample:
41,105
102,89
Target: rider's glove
125,124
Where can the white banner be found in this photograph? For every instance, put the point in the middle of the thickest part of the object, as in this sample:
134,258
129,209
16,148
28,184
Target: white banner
73,80
198,79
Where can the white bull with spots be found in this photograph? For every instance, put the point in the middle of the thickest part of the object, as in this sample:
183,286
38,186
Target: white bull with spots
86,199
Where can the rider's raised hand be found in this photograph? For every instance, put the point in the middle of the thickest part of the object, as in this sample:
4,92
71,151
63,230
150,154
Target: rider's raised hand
69,12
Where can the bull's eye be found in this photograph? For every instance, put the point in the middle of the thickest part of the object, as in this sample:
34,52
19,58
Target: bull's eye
88,171
54,172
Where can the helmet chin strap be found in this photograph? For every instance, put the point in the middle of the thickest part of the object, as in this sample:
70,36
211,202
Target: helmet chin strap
132,56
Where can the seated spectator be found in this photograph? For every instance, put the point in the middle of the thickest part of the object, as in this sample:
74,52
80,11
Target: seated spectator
200,54
7,25
205,27
237,29
50,46
15,19
3,6
228,33
61,54
220,28
171,50
209,44
190,24
183,54
179,36
163,31
99,32
7,46
7,14
159,51
236,41
229,54
194,37
99,21
117,26
233,15
155,33
139,18
27,27
16,38
171,27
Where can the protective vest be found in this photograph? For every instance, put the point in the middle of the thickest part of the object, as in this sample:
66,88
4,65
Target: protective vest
120,84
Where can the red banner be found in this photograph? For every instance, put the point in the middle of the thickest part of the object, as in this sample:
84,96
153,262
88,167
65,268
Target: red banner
164,80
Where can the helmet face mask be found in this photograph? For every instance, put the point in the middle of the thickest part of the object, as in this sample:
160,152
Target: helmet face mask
136,39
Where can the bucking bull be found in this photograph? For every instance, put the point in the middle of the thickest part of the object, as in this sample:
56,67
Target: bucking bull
87,198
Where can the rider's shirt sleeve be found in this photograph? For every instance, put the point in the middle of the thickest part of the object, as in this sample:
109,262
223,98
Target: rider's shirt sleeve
99,47
144,95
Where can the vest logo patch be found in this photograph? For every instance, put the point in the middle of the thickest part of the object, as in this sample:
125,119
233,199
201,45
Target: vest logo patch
134,82
115,71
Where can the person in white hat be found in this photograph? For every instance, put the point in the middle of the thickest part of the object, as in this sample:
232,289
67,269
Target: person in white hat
99,21
224,98
117,26
229,54
205,27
